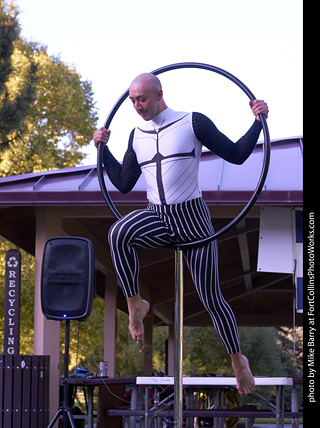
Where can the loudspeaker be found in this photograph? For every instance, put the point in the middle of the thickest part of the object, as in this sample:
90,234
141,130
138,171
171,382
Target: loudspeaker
67,278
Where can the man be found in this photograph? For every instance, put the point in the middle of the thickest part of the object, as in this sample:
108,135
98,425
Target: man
167,151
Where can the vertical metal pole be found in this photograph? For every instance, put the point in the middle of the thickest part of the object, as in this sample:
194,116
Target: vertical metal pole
294,405
66,373
90,406
178,370
156,405
133,406
280,406
146,406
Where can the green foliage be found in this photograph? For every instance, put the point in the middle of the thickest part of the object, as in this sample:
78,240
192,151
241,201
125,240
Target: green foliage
15,98
129,355
86,339
204,352
47,115
9,32
160,335
291,343
268,350
47,111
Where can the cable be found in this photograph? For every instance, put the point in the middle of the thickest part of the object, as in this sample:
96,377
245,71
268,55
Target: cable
97,366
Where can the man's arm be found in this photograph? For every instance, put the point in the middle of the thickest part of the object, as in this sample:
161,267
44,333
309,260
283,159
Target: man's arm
123,176
209,135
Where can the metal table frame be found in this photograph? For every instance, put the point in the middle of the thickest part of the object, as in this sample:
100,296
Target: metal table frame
217,383
278,382
90,384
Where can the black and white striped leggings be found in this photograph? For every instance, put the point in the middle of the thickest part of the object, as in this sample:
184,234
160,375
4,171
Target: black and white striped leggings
161,225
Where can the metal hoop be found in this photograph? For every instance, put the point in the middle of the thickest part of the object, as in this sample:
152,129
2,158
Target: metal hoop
266,146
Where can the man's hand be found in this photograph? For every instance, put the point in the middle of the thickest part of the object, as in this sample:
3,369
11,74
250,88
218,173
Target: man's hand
101,135
259,107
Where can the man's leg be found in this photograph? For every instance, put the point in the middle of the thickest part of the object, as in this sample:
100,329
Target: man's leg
138,309
203,265
140,228
242,372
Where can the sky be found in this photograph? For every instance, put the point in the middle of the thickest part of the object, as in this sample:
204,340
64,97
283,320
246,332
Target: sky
111,42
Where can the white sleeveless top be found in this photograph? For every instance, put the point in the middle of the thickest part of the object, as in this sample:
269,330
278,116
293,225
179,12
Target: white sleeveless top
168,153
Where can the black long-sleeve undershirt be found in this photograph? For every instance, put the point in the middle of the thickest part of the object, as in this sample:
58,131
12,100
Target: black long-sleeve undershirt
214,140
124,176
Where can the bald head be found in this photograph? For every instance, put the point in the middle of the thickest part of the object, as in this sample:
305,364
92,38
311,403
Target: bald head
146,95
147,79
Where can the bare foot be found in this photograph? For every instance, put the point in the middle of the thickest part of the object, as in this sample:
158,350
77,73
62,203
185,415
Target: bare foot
245,380
138,309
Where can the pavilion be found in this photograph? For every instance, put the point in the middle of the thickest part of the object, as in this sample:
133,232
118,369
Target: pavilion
35,207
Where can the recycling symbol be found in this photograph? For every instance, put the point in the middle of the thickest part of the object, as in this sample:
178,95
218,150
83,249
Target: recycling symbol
12,262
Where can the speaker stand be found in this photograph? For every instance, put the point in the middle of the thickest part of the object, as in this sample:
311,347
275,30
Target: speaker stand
65,410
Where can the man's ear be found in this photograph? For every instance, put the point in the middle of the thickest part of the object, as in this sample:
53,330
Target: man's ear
159,95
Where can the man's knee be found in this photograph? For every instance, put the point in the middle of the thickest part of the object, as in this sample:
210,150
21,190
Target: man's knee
130,227
114,233
120,231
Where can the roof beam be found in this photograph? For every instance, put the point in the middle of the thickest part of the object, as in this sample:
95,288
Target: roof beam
244,253
258,284
74,227
164,313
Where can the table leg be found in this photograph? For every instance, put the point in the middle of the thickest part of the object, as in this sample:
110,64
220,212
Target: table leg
146,407
294,405
189,421
156,403
219,403
133,406
280,406
90,406
223,406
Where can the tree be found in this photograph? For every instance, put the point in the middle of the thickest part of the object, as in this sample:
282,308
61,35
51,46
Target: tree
14,105
47,111
129,355
47,115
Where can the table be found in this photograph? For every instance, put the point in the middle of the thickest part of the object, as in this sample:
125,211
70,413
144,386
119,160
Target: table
90,384
218,383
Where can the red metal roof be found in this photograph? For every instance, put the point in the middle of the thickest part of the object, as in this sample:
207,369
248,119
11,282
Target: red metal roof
222,183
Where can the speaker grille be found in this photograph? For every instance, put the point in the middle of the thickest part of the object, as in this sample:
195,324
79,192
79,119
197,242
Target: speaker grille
67,278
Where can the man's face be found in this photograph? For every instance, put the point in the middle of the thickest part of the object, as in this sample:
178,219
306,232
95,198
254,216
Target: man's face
145,100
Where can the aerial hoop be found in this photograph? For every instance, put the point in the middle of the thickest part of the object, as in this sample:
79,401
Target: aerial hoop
266,159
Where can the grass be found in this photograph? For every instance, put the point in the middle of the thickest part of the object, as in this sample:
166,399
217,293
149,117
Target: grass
273,421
